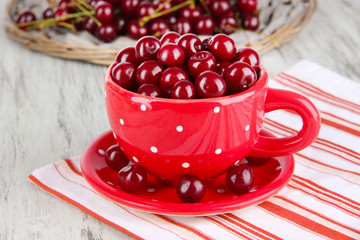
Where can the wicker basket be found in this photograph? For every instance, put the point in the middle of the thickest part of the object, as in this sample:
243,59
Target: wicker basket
280,22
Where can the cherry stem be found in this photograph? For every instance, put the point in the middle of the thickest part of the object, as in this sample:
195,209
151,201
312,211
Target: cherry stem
162,6
146,19
207,10
83,8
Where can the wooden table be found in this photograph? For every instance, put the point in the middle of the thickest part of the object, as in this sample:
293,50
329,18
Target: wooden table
52,108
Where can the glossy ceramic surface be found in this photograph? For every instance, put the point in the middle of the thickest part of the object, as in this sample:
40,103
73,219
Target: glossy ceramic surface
162,199
203,137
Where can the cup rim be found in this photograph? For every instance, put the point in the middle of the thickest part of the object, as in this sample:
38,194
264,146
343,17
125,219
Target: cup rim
259,84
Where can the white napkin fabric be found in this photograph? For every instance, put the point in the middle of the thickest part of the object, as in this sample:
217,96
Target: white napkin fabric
321,201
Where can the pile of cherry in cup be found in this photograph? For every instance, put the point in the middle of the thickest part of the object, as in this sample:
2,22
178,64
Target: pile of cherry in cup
184,67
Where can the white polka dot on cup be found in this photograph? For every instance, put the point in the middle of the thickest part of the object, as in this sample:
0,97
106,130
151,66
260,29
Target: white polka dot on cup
179,128
185,165
218,151
135,159
143,107
122,121
216,109
154,149
247,127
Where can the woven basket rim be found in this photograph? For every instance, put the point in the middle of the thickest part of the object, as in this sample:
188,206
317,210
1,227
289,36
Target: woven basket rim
105,56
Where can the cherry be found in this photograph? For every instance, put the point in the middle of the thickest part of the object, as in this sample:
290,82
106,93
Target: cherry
24,17
129,7
158,27
257,160
149,72
136,31
89,25
201,62
239,76
61,13
190,189
170,77
132,178
146,48
149,89
240,178
144,9
106,33
169,37
250,21
183,89
221,66
190,44
171,55
165,6
247,5
48,13
190,12
222,46
220,7
204,25
68,5
120,24
115,158
104,12
209,84
93,3
124,75
227,24
127,55
182,26
247,55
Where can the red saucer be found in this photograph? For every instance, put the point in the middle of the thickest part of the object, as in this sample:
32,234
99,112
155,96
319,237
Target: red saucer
162,199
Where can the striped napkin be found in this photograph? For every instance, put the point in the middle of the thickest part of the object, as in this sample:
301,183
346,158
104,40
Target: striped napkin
321,201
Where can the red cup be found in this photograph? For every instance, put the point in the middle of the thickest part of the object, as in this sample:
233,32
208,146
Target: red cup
203,137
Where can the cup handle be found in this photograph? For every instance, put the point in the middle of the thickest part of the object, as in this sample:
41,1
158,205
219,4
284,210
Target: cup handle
281,99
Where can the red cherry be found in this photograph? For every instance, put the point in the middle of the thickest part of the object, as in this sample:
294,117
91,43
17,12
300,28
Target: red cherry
190,189
165,6
129,7
120,24
146,48
171,55
227,24
170,77
106,33
144,9
250,21
149,89
135,31
124,75
183,89
247,5
222,46
240,178
209,84
204,25
182,26
169,37
67,4
190,12
89,25
158,27
61,13
221,66
115,158
127,55
104,12
132,178
190,44
239,76
247,55
201,62
220,7
48,13
257,160
24,17
149,72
